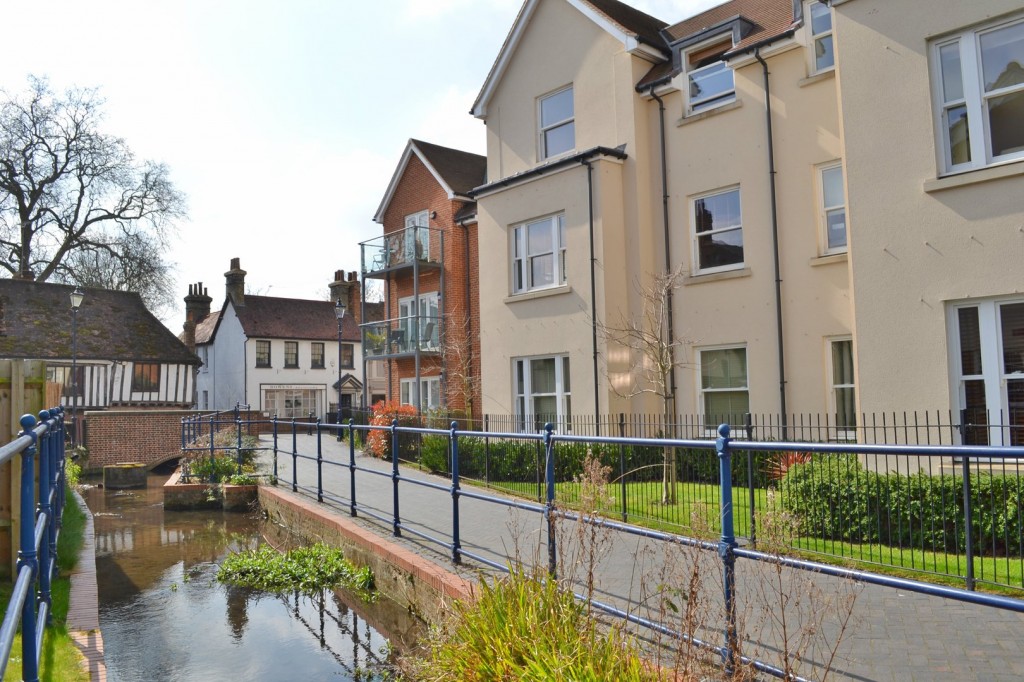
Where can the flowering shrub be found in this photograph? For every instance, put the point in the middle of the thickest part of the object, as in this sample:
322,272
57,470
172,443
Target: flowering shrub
378,443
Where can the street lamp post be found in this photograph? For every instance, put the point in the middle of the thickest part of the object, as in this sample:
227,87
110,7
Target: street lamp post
339,312
76,303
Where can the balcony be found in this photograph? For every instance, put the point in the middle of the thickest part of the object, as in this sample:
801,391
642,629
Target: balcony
402,337
407,248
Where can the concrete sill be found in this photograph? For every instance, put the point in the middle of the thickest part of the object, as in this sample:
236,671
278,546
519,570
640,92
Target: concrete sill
828,259
717,276
541,293
817,78
1006,170
701,115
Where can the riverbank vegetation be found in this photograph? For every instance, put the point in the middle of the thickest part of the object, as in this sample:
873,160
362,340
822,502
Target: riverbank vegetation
307,569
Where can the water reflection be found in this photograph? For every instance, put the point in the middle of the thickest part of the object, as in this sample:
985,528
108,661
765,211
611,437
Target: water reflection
164,616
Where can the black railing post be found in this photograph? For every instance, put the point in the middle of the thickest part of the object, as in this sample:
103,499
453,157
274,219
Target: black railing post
750,483
213,476
487,453
396,524
295,458
727,547
968,522
549,509
319,463
456,544
622,466
352,466
274,422
238,445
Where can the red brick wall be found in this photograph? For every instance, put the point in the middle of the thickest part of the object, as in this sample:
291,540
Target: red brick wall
147,436
417,191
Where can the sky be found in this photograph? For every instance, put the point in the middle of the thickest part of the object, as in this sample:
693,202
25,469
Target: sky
282,121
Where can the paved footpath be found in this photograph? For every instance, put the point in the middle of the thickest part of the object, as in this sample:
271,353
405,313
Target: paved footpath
891,634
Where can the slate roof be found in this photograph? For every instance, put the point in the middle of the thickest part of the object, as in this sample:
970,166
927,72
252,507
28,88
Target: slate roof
35,323
269,317
462,171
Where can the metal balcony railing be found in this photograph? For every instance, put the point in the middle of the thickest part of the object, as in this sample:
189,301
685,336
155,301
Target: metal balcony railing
402,335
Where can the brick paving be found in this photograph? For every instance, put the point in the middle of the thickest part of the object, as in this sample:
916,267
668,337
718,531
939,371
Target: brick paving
83,622
894,635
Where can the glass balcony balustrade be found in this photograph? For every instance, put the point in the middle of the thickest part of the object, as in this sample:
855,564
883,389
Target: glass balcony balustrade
402,248
402,336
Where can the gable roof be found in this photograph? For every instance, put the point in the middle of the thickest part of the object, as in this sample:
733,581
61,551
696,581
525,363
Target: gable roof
456,171
293,318
639,33
35,323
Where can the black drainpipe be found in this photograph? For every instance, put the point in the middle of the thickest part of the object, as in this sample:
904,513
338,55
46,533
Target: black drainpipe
469,313
668,249
775,243
593,293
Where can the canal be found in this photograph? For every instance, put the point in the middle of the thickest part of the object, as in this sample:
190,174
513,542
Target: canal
164,616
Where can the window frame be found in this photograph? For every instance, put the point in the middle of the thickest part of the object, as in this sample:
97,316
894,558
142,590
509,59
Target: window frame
260,345
843,431
697,269
708,103
523,396
314,346
291,348
521,267
973,99
141,383
702,391
542,130
824,209
816,37
348,355
430,384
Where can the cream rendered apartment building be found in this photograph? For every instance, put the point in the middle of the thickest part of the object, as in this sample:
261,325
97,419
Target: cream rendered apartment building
803,164
932,110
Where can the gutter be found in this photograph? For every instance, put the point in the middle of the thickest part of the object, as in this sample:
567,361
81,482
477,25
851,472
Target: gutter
544,169
775,241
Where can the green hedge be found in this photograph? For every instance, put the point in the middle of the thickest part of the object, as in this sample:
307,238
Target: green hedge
836,497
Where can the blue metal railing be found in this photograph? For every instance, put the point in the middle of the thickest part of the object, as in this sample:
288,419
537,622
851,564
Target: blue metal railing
727,547
39,529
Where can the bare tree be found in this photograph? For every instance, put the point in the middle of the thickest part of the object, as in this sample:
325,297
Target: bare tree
68,189
458,358
646,335
130,262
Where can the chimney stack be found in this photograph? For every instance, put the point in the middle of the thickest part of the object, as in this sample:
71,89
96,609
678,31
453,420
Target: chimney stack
234,283
347,290
197,306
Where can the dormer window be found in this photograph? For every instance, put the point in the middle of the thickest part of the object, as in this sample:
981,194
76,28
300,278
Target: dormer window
557,123
710,78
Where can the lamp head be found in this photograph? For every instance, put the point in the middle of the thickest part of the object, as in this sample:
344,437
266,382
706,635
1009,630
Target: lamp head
76,298
339,309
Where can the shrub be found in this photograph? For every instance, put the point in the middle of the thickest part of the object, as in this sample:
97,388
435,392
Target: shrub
226,440
378,443
212,469
836,497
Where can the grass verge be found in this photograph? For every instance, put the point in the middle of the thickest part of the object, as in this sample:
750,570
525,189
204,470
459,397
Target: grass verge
60,660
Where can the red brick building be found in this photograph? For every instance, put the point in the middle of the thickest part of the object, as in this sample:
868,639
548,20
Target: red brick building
427,262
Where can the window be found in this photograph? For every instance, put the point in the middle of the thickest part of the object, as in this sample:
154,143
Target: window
63,376
842,399
539,254
347,356
263,353
718,238
292,403
988,361
710,78
291,354
542,392
724,397
557,125
821,35
979,92
316,355
206,400
417,236
426,336
833,208
430,392
145,377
